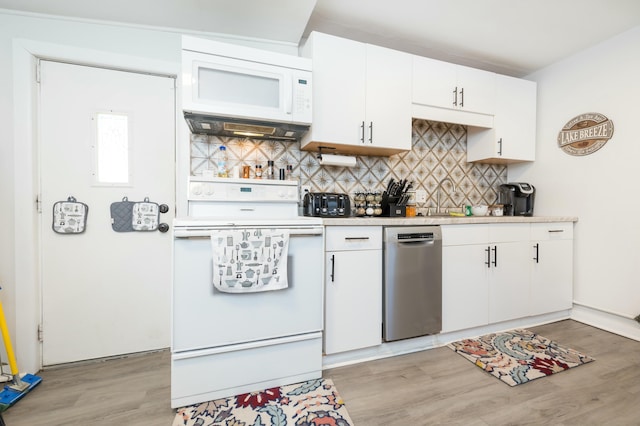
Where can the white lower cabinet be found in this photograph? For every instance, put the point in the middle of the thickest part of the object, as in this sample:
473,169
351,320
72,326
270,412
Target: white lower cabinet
353,288
509,276
465,277
552,273
486,274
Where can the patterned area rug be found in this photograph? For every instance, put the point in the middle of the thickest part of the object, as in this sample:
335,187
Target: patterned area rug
518,356
311,403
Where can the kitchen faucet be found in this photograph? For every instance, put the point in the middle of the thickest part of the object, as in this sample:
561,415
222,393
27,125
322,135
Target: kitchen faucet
439,189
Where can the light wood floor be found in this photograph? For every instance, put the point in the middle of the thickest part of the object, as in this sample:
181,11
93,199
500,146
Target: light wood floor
426,388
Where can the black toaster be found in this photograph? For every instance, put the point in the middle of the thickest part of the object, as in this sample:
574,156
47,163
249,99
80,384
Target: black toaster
326,204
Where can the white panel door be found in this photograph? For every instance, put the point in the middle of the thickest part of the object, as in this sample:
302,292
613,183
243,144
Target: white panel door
104,293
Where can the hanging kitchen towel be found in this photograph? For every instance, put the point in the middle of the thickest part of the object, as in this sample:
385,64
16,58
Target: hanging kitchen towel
69,217
122,215
250,260
145,216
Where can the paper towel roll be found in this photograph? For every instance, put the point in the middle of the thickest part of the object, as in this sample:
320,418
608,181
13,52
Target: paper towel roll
337,160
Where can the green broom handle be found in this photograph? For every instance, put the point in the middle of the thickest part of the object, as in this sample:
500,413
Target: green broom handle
7,343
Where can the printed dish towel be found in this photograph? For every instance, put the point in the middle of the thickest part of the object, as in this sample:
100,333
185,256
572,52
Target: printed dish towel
250,260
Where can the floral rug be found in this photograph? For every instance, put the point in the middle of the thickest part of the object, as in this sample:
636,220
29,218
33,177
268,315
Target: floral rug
311,403
518,356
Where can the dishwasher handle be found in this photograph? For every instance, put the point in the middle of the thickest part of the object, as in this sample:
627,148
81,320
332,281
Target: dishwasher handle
416,243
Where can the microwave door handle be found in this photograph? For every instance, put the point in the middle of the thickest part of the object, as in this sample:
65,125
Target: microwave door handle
288,94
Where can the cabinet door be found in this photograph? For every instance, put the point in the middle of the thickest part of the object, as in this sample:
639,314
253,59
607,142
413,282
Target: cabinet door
515,120
353,307
513,137
509,280
388,98
434,82
464,287
476,90
552,281
552,273
338,89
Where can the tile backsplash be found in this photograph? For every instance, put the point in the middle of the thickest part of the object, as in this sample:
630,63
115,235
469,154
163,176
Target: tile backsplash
438,151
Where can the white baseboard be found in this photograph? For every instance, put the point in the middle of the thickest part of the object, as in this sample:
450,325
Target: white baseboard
608,321
416,344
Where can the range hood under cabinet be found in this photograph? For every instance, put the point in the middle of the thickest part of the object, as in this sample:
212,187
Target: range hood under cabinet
237,91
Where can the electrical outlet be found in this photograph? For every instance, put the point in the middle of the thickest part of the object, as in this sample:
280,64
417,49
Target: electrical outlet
304,189
421,196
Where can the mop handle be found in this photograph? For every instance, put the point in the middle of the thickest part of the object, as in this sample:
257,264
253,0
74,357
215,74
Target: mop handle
7,342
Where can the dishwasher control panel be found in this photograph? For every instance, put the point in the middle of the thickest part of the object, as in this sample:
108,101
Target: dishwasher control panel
416,236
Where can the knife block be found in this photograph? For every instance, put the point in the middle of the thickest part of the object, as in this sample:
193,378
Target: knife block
390,208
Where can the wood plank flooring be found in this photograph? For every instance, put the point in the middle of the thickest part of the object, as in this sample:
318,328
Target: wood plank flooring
426,388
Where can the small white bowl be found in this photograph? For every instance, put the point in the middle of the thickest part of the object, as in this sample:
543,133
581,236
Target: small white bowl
479,210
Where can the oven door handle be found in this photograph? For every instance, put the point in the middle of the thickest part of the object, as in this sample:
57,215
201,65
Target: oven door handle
206,233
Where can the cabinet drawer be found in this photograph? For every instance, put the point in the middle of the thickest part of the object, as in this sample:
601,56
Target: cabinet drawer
460,235
552,231
509,232
339,238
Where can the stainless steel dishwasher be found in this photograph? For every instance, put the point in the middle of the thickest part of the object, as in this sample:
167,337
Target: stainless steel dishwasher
412,268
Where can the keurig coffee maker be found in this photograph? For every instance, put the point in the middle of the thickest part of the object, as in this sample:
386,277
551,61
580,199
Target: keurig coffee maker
517,198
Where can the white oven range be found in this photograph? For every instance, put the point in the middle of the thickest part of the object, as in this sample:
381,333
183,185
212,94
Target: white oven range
224,344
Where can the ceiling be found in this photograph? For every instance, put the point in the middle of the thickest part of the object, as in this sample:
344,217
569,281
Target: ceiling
514,37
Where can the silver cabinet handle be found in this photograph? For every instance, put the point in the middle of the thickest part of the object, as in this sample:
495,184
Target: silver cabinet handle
371,132
556,230
355,238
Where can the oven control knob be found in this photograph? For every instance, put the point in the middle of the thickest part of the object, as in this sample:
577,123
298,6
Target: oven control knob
196,189
208,190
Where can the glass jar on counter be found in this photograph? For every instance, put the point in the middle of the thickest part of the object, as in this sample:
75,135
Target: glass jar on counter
360,204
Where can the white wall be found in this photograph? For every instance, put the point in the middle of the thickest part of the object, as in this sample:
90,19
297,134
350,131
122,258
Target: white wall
21,38
602,189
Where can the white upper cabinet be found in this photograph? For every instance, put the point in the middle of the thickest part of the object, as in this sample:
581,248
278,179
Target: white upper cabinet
452,93
361,97
513,137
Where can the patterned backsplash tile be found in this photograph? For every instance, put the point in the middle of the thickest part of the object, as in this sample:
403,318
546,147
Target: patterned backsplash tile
439,152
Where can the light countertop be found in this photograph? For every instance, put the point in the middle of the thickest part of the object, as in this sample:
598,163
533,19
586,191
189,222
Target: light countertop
442,220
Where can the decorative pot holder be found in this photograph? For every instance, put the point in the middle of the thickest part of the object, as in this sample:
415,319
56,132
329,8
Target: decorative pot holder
69,217
145,216
122,215
129,216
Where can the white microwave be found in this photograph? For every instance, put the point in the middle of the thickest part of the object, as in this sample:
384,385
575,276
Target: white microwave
227,80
